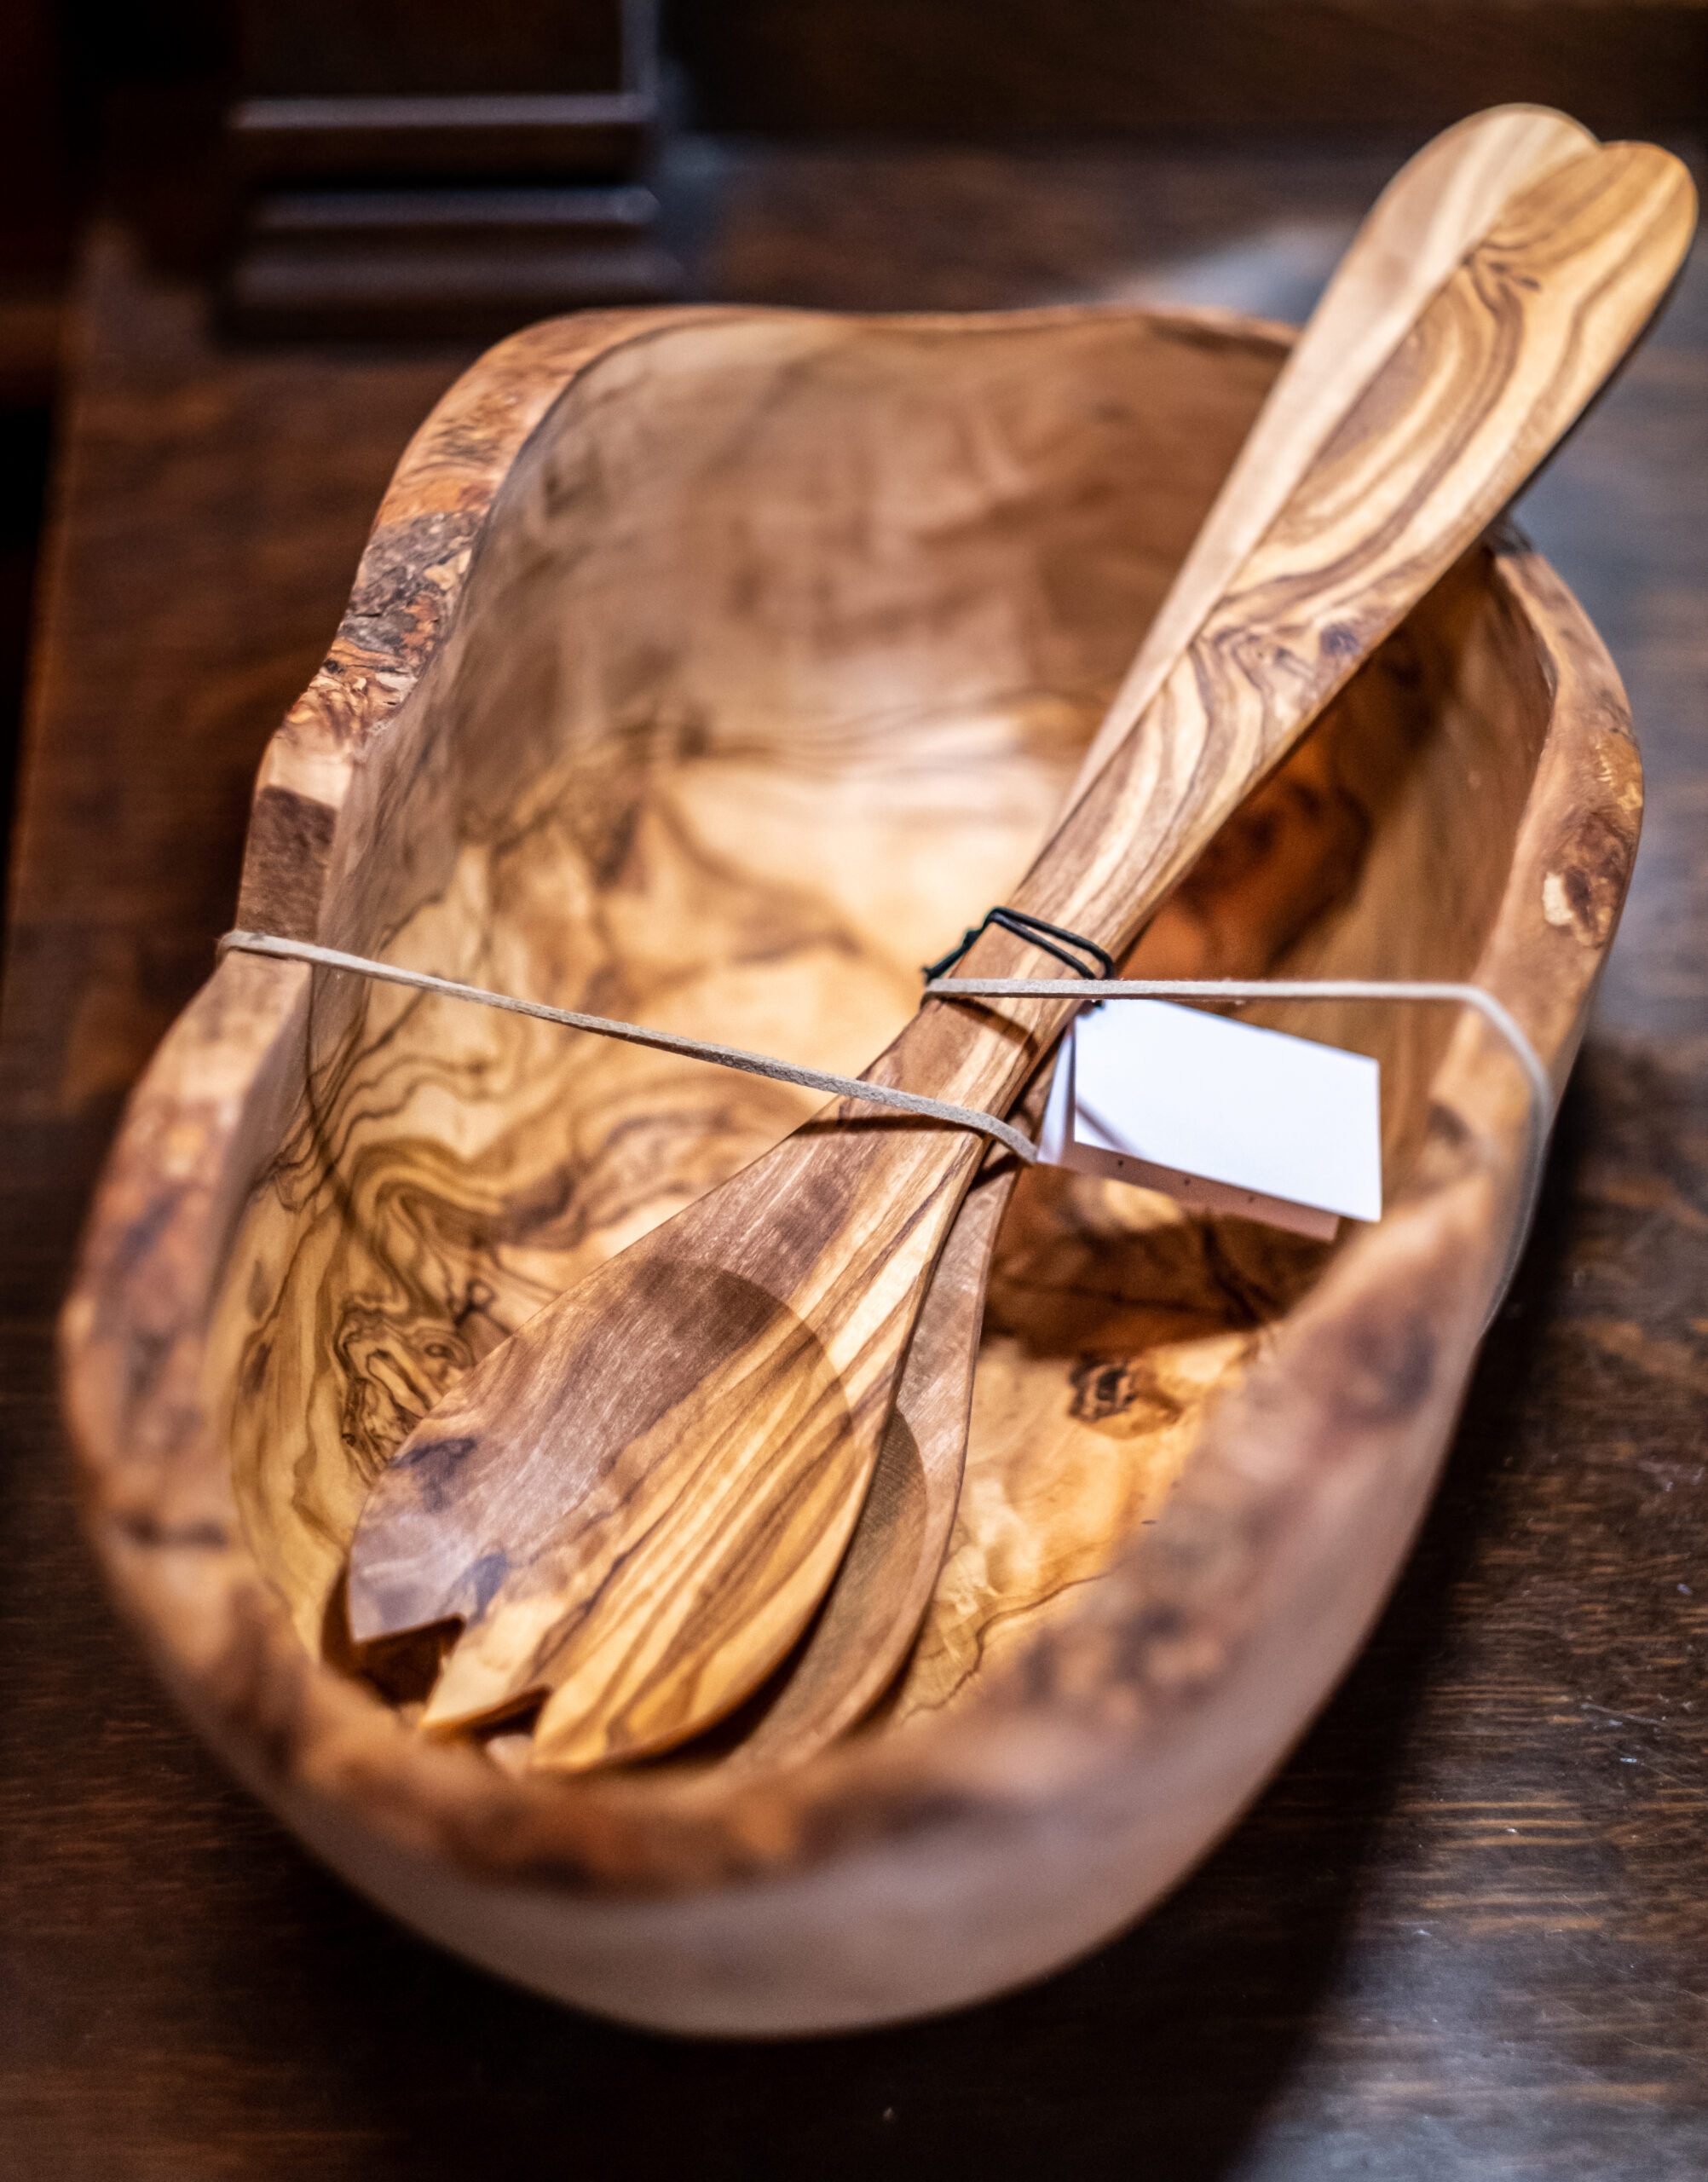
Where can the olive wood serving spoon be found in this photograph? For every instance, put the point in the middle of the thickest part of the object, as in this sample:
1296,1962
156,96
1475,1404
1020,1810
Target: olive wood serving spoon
637,1503
1442,202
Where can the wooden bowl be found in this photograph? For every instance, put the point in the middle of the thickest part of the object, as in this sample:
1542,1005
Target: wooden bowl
714,668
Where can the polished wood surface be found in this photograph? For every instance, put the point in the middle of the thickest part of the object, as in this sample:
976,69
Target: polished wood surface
1444,199
1375,1967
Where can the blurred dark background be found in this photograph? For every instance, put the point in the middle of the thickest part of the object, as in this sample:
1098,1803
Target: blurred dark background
365,171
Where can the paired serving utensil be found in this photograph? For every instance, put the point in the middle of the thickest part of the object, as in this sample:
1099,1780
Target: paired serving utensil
637,1502
1444,200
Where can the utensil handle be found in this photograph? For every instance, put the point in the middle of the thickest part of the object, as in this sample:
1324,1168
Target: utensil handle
1492,373
1436,209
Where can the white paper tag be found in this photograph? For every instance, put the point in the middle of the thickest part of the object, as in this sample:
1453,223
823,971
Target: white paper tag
1223,1116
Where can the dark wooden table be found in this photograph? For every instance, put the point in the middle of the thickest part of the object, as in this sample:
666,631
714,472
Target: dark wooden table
1465,1932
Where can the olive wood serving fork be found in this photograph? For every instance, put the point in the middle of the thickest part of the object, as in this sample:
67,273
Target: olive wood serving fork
1444,200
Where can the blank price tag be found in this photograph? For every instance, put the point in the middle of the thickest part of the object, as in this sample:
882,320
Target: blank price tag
1221,1115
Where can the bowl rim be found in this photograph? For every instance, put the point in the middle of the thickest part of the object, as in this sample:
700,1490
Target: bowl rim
156,1496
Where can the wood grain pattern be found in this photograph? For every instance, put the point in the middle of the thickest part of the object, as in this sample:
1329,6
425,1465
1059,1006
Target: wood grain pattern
647,1553
1414,236
991,749
739,892
883,1585
1442,201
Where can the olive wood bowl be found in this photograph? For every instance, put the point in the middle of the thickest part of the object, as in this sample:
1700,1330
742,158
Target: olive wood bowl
714,668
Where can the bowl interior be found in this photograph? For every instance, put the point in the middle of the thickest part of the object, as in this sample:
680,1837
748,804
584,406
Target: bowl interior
777,657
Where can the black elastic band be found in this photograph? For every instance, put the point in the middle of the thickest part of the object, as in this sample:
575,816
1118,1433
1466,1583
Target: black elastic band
1033,929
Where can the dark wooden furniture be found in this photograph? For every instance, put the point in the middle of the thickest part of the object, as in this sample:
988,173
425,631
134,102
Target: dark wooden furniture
405,171
1462,1934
